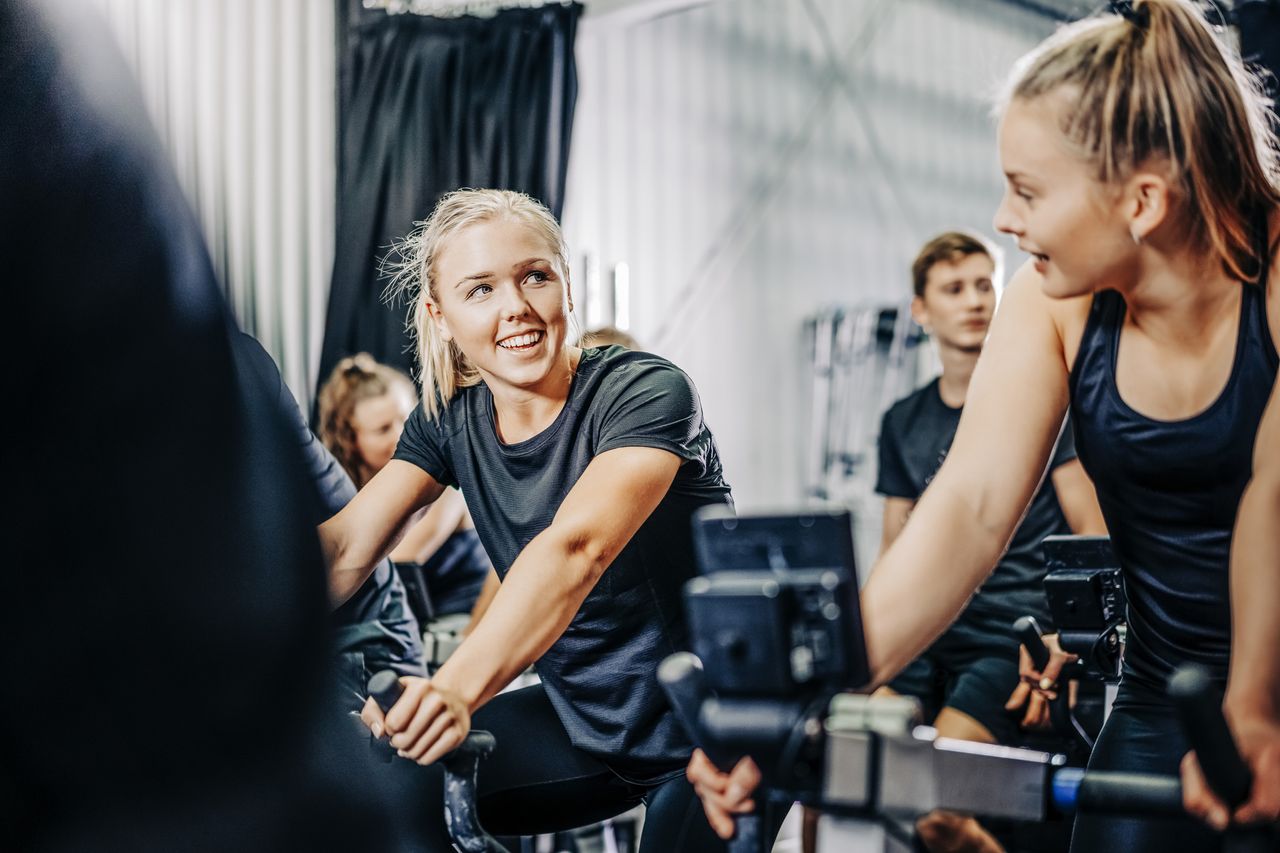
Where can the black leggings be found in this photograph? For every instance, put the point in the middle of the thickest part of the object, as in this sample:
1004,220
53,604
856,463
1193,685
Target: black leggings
536,781
1142,735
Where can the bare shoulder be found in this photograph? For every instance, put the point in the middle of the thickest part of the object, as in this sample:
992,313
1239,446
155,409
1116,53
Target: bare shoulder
1067,316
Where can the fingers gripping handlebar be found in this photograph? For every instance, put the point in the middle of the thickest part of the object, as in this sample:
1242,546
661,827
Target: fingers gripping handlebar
685,686
460,769
1029,634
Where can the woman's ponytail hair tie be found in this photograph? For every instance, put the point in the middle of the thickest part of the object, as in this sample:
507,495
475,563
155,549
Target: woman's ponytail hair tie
1139,17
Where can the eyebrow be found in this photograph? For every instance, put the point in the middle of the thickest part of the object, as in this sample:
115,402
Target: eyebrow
481,276
475,276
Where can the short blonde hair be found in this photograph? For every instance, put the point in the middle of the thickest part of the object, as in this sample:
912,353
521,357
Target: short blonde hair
1159,83
443,367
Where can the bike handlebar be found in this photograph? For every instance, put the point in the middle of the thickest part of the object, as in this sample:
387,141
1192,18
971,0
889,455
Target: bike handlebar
460,769
683,681
1028,631
1199,707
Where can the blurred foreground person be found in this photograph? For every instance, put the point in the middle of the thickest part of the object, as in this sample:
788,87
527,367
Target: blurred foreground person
363,407
164,609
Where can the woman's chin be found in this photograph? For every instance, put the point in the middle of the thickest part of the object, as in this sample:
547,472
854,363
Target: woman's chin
1056,287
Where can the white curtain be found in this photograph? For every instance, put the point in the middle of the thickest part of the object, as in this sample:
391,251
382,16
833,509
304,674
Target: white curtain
242,93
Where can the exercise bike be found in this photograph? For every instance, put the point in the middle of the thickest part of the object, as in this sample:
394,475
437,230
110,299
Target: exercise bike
866,763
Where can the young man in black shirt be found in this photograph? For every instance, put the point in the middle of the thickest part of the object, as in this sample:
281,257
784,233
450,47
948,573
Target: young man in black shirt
967,677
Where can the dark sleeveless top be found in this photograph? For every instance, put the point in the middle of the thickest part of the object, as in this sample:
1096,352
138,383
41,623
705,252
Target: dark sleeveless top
1169,490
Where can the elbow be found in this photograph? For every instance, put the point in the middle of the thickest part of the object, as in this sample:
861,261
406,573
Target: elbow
586,557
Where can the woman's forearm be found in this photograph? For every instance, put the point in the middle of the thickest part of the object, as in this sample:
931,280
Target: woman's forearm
1254,682
428,533
534,605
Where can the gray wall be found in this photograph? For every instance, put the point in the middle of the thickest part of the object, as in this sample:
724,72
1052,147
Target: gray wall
752,161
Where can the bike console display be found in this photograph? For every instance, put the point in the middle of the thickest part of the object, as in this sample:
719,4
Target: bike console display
775,612
1085,592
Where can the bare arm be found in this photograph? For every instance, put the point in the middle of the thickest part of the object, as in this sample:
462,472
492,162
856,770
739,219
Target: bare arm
487,592
366,529
895,515
548,582
424,537
963,522
1254,681
1078,499
1252,703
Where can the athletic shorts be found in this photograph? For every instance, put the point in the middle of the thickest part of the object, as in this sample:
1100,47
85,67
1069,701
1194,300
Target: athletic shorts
972,668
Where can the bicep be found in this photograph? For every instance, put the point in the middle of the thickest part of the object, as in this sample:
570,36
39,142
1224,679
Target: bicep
1013,412
616,493
895,515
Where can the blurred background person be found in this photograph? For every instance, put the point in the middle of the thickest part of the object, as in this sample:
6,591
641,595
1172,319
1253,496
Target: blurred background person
607,336
363,407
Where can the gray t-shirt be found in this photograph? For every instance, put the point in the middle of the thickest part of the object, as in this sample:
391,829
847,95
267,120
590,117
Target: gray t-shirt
601,673
915,436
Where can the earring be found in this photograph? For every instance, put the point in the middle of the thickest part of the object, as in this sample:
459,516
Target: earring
1137,241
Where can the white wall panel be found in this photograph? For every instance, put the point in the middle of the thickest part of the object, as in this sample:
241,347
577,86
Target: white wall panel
242,94
755,160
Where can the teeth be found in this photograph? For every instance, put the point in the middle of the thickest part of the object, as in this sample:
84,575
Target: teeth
517,341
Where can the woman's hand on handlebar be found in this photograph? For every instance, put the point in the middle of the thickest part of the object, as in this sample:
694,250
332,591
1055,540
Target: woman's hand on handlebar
426,723
1258,738
1037,689
723,795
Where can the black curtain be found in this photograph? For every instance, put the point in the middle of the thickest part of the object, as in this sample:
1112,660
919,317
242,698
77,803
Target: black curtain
428,105
1259,24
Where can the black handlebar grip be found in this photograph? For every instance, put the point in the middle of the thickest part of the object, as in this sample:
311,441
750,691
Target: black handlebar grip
681,677
1130,794
1199,708
385,688
477,744
461,766
1028,632
685,684
460,816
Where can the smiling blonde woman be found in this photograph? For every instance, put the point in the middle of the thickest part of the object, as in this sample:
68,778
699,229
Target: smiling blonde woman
581,469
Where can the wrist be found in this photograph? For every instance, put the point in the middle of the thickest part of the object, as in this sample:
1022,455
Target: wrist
1247,702
464,682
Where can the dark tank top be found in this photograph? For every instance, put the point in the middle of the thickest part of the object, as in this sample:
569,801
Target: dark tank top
1169,490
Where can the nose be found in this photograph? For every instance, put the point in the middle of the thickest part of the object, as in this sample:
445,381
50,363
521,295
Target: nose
514,303
1005,220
